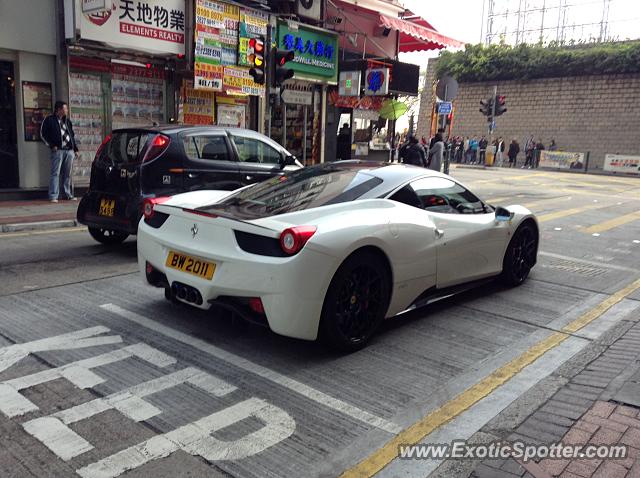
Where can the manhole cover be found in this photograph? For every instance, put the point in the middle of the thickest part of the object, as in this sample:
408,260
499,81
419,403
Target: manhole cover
574,267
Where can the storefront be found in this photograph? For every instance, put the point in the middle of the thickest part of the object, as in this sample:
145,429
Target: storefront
120,69
221,91
373,84
297,122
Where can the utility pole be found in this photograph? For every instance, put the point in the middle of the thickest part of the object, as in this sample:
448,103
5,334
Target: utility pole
493,119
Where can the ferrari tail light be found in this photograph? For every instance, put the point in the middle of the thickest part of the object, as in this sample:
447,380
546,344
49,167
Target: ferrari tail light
149,204
158,145
101,147
294,238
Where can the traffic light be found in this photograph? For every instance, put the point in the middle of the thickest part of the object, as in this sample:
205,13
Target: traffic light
501,104
486,107
255,57
280,72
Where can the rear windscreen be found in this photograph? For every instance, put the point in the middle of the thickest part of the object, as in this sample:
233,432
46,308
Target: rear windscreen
125,147
304,189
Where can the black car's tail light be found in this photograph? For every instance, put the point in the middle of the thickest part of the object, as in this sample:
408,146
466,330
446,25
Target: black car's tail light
158,145
104,143
261,245
156,220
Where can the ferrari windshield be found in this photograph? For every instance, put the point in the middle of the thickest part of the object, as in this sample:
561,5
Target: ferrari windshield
304,189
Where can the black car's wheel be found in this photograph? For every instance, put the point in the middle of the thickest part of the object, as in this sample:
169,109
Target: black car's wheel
107,236
356,302
520,256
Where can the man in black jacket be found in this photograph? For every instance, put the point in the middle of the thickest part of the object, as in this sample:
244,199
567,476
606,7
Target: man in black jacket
57,133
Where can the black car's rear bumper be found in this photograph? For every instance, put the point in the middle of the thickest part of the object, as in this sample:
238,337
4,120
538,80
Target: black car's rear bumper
127,212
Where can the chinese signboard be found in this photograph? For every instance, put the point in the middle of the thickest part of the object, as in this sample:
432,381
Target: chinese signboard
218,40
316,52
36,102
155,26
561,160
622,163
377,81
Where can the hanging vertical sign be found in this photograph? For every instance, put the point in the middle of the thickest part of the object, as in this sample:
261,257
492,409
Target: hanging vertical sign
377,81
218,47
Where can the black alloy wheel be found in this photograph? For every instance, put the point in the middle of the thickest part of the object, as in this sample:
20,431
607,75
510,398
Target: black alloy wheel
356,302
520,256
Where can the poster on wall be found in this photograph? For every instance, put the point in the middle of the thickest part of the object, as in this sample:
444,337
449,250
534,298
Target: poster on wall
137,97
197,106
622,163
217,39
86,106
37,105
231,115
561,160
146,25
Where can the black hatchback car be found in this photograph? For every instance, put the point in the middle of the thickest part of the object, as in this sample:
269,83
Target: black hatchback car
132,165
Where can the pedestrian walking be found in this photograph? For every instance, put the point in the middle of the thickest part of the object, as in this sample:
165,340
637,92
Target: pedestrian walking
415,153
57,133
436,154
482,147
514,149
473,148
499,151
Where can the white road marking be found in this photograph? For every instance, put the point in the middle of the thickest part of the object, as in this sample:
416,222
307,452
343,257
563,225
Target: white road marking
12,354
595,234
557,229
121,400
256,369
195,438
59,438
636,241
79,373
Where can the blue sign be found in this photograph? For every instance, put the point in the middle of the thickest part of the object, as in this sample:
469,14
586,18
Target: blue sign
445,108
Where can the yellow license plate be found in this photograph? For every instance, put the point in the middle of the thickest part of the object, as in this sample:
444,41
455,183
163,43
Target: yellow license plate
107,207
191,265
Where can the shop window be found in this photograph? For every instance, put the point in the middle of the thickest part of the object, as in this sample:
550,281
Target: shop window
212,148
252,150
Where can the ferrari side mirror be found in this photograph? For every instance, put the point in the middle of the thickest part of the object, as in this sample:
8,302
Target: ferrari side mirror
503,215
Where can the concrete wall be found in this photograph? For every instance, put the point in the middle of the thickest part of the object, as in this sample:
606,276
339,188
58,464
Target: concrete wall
28,39
600,114
28,25
33,157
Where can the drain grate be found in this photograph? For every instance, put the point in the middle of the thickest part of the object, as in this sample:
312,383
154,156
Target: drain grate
574,267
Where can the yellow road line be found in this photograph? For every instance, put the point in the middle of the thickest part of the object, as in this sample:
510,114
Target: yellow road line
568,212
8,235
419,430
610,224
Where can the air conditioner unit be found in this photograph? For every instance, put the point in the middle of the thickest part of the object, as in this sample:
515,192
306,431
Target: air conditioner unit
309,9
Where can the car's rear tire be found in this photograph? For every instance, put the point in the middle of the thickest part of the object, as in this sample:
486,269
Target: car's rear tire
520,256
356,302
107,236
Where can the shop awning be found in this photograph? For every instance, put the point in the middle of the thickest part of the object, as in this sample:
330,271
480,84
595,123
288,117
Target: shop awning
416,34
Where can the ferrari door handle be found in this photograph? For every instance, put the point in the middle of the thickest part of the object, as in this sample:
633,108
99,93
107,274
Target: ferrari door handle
439,233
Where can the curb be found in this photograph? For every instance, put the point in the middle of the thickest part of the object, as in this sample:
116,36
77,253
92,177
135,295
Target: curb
38,226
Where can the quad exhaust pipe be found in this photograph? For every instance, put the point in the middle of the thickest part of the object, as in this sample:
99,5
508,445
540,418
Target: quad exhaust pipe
186,292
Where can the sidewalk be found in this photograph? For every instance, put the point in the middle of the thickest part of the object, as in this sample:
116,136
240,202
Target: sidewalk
34,215
595,400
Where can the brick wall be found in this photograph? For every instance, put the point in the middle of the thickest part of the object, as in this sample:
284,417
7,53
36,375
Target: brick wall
600,114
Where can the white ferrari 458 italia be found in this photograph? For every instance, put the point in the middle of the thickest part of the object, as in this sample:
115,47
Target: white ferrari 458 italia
329,251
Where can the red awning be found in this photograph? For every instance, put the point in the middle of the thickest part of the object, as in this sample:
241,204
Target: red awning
416,34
